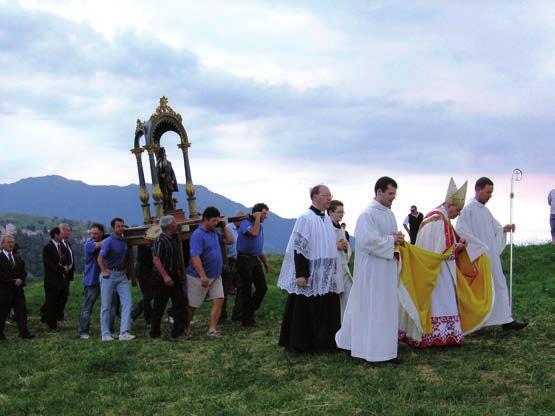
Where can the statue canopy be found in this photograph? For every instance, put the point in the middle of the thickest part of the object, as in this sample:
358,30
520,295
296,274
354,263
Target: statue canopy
164,119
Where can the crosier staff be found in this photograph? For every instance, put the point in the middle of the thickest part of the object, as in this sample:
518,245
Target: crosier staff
515,177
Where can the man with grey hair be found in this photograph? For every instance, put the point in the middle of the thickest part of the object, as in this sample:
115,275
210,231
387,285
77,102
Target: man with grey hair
312,312
167,280
12,281
68,254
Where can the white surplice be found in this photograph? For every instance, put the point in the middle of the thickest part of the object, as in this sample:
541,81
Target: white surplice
313,237
342,268
370,324
446,323
485,234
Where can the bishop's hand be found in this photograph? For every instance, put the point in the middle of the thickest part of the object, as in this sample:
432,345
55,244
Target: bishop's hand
398,238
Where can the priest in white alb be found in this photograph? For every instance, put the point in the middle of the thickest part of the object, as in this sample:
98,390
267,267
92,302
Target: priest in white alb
482,231
370,323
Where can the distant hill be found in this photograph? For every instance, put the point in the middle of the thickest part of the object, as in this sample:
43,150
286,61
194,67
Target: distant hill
56,196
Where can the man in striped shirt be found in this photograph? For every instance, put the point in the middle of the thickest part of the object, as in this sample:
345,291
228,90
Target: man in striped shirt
167,280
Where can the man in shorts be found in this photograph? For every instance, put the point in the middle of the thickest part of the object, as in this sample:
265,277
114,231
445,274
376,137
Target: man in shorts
204,279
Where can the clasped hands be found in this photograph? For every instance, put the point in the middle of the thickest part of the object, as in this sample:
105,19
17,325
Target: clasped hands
509,228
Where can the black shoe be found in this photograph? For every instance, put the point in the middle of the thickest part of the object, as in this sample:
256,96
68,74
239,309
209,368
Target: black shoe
2,337
250,323
395,361
514,325
27,336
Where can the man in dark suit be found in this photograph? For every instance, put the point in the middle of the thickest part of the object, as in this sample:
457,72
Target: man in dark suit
68,255
12,281
56,265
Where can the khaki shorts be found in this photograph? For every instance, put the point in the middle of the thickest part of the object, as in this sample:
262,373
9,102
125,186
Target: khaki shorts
197,293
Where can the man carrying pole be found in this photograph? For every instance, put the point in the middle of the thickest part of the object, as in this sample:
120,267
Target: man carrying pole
484,233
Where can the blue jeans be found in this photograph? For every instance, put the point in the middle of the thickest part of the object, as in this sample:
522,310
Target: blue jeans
116,282
552,223
91,294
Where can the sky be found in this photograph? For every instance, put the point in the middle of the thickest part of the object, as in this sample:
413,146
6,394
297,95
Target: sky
277,96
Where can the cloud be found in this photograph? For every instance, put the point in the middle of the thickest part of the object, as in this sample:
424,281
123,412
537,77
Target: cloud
292,91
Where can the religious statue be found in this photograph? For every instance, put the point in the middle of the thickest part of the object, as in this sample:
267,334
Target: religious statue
166,179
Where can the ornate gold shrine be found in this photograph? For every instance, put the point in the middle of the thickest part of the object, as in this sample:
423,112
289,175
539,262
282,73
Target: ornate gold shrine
164,119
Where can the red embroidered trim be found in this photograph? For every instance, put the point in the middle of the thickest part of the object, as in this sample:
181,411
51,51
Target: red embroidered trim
446,330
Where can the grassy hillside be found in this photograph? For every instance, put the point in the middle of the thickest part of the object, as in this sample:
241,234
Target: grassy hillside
494,373
40,222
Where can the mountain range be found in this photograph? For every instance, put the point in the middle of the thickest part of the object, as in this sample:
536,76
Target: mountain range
56,196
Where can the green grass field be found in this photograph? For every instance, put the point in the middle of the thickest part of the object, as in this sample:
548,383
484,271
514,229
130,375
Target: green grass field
245,372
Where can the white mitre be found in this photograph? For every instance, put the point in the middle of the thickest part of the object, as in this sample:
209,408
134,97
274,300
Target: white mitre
456,196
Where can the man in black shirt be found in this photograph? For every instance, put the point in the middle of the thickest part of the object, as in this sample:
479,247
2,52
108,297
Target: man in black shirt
412,223
166,280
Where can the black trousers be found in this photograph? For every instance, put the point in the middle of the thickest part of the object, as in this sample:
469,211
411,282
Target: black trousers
13,297
145,304
161,295
63,302
229,277
250,273
55,298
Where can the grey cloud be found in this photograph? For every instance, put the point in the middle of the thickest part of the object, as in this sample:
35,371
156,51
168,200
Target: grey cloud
320,122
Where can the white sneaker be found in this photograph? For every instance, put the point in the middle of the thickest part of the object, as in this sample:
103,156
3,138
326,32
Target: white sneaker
107,338
84,336
214,333
127,337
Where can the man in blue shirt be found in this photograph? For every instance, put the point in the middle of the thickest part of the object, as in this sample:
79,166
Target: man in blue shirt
204,279
112,261
250,246
91,282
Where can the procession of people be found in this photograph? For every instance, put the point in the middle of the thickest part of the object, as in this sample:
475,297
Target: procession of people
443,285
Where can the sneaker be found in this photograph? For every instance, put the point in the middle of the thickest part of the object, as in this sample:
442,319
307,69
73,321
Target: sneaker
127,337
170,320
107,338
214,333
84,336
